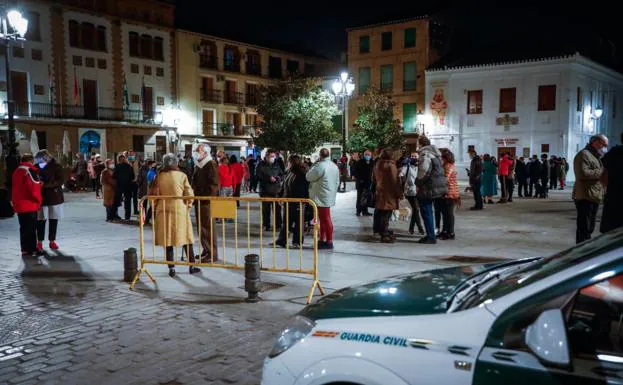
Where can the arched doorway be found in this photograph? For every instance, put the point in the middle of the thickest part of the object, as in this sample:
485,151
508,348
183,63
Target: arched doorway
90,142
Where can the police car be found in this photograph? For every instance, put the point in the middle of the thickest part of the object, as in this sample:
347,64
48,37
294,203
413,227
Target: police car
554,320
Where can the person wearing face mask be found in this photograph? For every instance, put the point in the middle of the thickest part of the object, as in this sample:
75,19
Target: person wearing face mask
51,174
408,173
588,189
362,172
205,182
26,199
108,189
270,177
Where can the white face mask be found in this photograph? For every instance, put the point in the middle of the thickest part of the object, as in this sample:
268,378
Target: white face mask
271,160
42,165
111,166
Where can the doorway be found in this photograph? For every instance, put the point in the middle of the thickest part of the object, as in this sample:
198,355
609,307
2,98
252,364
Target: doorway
504,150
90,143
148,103
89,98
19,91
208,122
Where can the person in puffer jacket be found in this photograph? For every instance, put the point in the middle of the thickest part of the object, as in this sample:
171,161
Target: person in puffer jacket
26,197
431,183
452,198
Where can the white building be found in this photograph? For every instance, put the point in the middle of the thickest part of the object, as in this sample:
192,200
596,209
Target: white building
527,107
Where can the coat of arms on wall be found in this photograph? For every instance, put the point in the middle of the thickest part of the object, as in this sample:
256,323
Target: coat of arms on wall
438,106
507,121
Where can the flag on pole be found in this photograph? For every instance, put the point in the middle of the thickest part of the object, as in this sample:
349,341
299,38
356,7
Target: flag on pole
126,97
76,91
51,84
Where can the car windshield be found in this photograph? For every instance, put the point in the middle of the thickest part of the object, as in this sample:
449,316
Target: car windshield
551,265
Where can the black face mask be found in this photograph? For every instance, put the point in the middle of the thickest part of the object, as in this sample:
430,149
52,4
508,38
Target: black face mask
413,162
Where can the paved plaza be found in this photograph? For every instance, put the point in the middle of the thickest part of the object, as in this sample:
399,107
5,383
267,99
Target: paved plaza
73,320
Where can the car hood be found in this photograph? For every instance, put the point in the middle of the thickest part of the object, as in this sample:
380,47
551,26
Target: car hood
418,293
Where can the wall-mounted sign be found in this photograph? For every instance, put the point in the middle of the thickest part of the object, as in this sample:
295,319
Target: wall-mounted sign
506,141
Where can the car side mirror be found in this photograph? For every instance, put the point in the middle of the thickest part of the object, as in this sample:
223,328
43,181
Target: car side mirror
547,338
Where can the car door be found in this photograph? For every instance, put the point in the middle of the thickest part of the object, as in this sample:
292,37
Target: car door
593,316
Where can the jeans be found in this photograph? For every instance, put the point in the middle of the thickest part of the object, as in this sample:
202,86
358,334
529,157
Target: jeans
448,216
52,230
585,222
28,231
415,214
326,225
477,194
503,188
426,208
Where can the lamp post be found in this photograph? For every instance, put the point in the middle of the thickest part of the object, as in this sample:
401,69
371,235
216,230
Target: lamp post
343,88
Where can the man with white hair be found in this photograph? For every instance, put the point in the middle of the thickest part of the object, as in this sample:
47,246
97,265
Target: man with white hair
588,189
205,182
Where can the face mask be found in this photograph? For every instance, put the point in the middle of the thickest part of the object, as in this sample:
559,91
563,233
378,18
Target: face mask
43,164
131,158
602,151
196,156
366,157
111,166
271,160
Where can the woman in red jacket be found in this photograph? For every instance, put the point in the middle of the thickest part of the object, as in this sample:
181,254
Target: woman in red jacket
26,195
237,174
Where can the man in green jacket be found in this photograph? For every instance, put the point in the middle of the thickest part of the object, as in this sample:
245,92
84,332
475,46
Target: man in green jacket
588,188
324,179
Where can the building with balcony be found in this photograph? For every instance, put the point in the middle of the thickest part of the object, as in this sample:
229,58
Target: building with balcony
218,83
392,56
101,70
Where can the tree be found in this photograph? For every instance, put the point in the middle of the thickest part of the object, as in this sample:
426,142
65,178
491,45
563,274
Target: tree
375,126
297,116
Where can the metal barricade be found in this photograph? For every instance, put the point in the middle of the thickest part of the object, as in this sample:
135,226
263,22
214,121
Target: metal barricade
223,212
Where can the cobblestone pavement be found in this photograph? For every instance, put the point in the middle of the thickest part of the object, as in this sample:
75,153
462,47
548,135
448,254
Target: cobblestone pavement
72,320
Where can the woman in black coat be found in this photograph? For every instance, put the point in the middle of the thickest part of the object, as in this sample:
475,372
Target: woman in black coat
295,185
51,176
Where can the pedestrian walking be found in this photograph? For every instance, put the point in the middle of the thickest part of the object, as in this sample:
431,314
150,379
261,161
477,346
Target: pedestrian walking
432,184
475,179
205,183
408,174
142,184
522,177
588,189
51,210
270,178
295,185
324,180
124,177
26,198
362,172
98,167
237,173
453,197
612,215
173,227
108,189
389,192
489,181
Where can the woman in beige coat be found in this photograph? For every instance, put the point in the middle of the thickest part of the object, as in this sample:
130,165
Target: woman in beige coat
172,226
108,188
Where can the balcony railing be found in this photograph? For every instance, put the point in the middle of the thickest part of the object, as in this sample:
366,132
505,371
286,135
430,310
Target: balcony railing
211,96
254,69
227,129
233,66
50,110
208,62
409,85
233,98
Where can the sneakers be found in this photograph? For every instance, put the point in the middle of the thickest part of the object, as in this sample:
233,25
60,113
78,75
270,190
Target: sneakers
54,245
39,246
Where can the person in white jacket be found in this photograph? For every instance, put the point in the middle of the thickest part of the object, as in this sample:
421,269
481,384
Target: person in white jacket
324,179
408,173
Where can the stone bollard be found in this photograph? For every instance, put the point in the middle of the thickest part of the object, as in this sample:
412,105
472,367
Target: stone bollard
252,282
129,264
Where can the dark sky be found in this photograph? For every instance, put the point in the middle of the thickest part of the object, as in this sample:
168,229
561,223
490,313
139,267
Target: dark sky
319,25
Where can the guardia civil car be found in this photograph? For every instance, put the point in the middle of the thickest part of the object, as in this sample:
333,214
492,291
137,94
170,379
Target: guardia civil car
554,320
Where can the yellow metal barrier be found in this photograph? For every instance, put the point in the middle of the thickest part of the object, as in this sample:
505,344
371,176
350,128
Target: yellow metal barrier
224,211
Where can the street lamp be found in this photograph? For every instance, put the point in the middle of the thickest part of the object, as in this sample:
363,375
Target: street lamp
343,88
13,27
598,112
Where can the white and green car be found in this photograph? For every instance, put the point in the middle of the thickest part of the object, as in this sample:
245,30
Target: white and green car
554,320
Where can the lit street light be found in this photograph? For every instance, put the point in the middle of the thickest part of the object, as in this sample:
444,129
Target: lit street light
13,28
343,88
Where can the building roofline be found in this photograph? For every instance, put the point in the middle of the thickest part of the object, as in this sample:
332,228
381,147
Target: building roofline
389,22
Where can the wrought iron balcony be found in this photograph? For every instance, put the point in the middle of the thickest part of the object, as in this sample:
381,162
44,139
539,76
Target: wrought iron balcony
58,111
209,62
254,69
211,95
227,129
233,65
233,97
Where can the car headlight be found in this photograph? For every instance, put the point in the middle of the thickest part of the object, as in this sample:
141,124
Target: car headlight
293,333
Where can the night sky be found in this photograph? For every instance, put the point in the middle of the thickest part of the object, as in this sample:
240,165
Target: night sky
319,25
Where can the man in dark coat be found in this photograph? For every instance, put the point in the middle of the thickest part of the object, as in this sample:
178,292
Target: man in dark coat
270,177
475,179
98,167
252,173
612,216
124,177
544,176
205,181
553,173
534,172
521,172
362,171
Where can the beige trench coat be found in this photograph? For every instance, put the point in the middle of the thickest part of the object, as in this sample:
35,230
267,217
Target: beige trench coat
172,226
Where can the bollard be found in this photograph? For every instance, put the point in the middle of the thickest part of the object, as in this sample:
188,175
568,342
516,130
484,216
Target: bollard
129,264
252,282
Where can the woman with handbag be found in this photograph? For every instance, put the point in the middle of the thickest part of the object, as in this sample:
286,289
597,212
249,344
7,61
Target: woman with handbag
295,185
408,173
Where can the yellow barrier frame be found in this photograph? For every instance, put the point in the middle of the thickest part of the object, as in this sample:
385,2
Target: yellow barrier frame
228,210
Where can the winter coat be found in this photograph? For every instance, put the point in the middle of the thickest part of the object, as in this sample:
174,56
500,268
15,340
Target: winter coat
206,178
504,166
475,170
172,225
108,187
613,204
588,170
264,172
225,176
124,175
26,189
562,171
295,185
489,185
431,178
408,174
98,168
388,185
52,177
362,171
141,181
534,170
544,172
237,172
453,184
324,179
252,166
521,171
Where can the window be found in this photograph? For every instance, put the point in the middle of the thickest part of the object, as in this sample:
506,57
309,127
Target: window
231,60
18,52
101,64
147,70
410,76
101,38
253,63
158,48
146,46
207,54
544,147
508,99
134,68
387,77
74,34
251,94
364,44
386,41
89,62
159,71
364,79
409,37
579,102
274,67
409,117
42,138
293,66
474,102
87,36
76,60
547,98
33,32
36,54
134,44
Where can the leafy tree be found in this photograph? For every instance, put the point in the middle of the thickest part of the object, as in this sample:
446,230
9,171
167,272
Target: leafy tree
297,116
375,126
